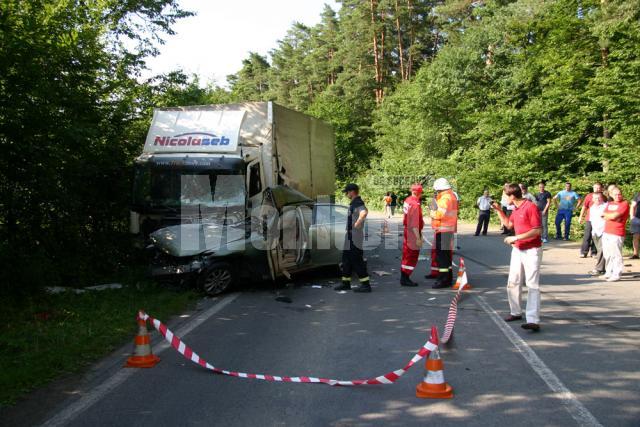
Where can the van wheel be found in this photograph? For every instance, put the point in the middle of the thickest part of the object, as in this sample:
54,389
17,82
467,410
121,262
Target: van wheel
216,279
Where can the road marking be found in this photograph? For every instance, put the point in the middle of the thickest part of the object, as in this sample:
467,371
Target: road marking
575,408
96,394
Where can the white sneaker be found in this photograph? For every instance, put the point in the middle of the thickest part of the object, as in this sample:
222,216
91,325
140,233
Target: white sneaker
605,276
613,279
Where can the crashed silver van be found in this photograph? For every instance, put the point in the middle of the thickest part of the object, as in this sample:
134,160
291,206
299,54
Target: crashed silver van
286,234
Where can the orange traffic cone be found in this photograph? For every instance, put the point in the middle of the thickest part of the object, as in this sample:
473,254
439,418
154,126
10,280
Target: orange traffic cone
433,385
142,355
462,281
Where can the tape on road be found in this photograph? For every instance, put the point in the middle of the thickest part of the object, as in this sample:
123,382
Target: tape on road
189,354
389,378
452,315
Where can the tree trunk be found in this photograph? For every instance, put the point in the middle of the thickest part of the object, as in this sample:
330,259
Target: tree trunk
376,53
606,134
400,49
409,70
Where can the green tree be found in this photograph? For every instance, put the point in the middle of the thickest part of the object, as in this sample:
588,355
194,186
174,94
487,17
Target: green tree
67,82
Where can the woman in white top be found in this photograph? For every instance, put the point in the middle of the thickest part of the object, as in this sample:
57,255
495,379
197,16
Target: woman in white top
596,210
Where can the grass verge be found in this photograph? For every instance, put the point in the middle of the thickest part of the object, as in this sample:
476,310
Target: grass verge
45,336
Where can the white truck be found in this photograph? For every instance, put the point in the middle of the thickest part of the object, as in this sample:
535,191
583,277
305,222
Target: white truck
228,191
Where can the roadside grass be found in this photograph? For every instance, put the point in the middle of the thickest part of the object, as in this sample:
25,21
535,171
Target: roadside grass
46,336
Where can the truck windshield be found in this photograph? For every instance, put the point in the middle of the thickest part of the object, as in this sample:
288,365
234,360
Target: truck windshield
188,190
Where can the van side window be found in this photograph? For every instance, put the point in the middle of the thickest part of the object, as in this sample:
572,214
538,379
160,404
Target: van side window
255,185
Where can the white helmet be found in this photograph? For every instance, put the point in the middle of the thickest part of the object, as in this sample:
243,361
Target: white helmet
441,184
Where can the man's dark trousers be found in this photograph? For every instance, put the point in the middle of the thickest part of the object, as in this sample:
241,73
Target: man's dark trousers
483,221
563,215
444,257
353,260
587,241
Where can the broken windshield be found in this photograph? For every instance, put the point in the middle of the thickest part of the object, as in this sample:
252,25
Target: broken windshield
190,191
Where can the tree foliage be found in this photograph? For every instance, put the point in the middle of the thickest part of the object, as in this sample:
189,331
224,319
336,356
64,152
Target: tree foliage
482,92
528,91
67,99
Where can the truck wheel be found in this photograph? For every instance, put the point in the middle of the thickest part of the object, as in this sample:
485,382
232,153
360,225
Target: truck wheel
216,279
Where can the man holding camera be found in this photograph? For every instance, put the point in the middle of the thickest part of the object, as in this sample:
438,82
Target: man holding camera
526,255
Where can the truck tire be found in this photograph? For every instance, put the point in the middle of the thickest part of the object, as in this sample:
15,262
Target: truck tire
216,279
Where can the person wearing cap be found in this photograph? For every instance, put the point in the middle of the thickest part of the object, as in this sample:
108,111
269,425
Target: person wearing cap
526,255
444,220
353,252
412,241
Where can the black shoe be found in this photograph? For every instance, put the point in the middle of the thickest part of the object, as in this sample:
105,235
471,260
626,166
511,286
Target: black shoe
362,288
344,286
406,281
512,318
583,255
476,234
634,257
441,285
484,234
531,326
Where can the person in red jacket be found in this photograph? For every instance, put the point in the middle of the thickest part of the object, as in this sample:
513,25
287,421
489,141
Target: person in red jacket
412,242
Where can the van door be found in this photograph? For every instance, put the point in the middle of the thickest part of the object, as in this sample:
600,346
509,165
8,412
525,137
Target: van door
327,234
269,225
293,239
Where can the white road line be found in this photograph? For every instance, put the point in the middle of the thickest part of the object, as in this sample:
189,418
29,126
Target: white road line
575,408
96,394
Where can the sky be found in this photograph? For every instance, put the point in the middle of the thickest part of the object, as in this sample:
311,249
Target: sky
213,43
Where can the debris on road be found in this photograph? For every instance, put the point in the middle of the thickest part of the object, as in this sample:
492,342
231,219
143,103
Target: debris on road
61,289
382,273
104,287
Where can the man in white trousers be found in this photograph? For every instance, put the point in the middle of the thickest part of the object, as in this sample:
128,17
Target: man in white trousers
526,255
616,214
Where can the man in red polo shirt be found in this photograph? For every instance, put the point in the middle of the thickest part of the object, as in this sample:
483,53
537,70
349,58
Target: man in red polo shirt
615,215
526,255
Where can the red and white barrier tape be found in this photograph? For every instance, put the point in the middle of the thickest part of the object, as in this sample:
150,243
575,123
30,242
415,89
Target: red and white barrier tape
189,354
388,378
453,307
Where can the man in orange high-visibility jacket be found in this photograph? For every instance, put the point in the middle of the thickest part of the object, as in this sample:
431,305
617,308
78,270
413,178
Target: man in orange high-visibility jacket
412,242
444,220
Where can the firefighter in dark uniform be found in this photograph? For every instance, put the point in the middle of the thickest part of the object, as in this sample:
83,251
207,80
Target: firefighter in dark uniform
352,254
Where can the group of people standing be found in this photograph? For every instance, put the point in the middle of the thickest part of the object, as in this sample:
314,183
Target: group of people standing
524,218
443,211
605,215
444,220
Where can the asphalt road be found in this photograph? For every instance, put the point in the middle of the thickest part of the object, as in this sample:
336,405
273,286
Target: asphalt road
583,368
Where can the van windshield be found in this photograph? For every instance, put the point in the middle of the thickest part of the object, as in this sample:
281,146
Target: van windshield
188,190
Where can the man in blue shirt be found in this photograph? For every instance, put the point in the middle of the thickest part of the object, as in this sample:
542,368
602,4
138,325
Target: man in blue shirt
566,201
